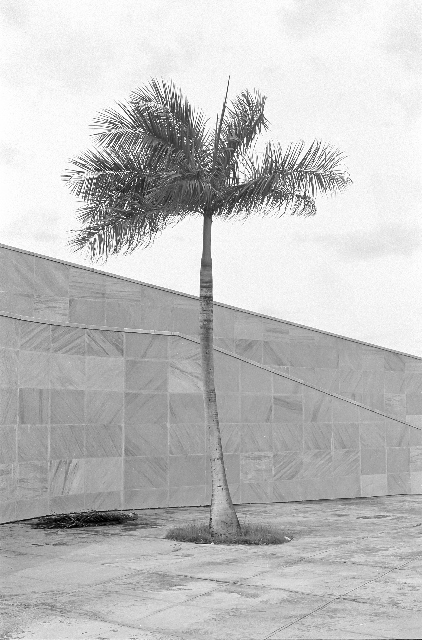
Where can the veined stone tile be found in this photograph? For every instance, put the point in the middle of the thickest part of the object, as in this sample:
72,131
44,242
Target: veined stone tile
288,408
187,496
287,437
415,435
104,343
51,278
67,406
8,406
317,435
182,349
346,462
287,490
394,361
372,435
287,465
397,435
226,373
256,467
145,473
317,407
347,486
32,442
9,332
223,323
103,501
33,508
105,373
67,441
413,404
344,411
66,477
67,371
66,504
376,401
103,475
317,489
147,408
256,492
103,440
372,358
395,405
415,459
19,304
412,382
145,499
86,284
394,382
398,459
186,407
228,405
185,471
34,336
68,340
156,297
32,480
51,309
249,349
256,438
185,376
398,483
230,437
303,352
326,357
146,375
104,407
84,311
276,353
361,381
8,440
146,440
365,415
16,271
274,330
373,485
317,464
146,346
350,356
185,320
8,511
255,380
284,386
34,406
34,369
412,364
416,482
124,314
373,461
117,289
258,408
7,482
8,367
346,435
156,318
247,326
187,439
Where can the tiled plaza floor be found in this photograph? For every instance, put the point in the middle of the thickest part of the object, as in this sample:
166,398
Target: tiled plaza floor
352,570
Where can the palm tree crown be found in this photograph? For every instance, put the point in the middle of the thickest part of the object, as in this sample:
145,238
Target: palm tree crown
156,161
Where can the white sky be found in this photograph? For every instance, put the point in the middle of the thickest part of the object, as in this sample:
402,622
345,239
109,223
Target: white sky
344,71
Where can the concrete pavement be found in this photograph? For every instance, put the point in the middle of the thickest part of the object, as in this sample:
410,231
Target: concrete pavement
352,570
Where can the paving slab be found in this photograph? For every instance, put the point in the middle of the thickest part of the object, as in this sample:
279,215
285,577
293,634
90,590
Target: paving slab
352,570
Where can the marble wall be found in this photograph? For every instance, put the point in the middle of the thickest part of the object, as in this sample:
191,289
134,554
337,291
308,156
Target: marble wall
103,419
52,291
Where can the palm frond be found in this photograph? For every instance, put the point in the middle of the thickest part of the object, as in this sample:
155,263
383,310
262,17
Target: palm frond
158,120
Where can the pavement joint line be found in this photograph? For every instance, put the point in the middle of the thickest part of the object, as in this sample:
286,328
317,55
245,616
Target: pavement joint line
339,597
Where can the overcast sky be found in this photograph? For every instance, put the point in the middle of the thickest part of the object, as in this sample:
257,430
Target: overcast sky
344,71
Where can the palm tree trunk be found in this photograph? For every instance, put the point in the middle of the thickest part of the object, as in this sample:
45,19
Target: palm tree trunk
223,518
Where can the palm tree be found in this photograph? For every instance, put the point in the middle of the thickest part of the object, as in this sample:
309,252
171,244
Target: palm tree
155,162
